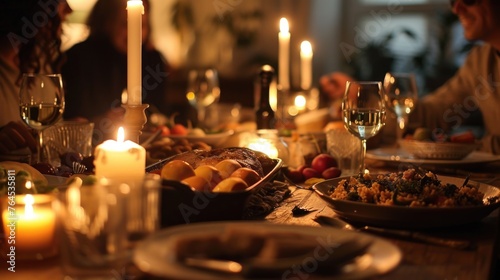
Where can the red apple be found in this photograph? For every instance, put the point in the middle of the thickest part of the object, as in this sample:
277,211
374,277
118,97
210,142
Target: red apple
309,172
295,175
322,162
332,172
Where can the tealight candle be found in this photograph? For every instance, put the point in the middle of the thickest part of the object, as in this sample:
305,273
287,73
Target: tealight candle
284,54
29,224
122,161
135,9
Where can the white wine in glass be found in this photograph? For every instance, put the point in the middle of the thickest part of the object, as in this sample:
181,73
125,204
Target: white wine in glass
401,95
363,112
41,103
203,91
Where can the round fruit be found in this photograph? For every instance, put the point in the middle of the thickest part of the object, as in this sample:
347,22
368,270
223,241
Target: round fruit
230,184
227,167
332,172
177,170
210,173
309,172
248,175
295,175
197,183
322,162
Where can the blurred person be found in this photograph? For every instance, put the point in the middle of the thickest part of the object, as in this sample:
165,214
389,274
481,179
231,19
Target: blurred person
95,72
475,85
30,42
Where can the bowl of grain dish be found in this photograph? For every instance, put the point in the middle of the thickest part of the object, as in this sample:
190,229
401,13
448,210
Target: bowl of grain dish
409,199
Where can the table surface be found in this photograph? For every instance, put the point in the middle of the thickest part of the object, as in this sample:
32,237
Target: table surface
420,261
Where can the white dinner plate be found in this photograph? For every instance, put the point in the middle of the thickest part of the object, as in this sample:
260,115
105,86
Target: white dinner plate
156,255
212,139
399,155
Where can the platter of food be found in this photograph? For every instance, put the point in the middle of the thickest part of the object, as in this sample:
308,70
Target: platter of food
211,185
264,251
388,200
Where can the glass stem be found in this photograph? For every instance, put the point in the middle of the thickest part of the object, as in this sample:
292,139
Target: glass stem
363,154
201,117
38,157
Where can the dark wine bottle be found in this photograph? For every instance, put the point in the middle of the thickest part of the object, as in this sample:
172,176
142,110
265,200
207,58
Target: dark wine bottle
264,115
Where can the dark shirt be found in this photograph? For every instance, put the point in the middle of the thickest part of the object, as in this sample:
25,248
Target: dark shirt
95,75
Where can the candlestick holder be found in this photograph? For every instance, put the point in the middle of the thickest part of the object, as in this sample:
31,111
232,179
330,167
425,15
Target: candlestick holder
134,120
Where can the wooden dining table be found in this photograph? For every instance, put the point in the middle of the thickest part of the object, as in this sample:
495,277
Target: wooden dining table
419,260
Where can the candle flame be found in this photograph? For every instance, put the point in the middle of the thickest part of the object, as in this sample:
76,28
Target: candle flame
135,3
300,102
28,207
284,25
28,185
306,47
121,135
264,146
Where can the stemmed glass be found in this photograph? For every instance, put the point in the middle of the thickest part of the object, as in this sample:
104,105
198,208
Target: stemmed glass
401,95
41,103
203,91
363,112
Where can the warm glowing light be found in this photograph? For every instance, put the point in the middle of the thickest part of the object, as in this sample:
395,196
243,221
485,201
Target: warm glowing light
28,207
306,48
28,185
284,25
300,102
121,135
264,146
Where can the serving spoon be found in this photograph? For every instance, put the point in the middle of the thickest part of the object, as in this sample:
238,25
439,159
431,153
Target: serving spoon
411,235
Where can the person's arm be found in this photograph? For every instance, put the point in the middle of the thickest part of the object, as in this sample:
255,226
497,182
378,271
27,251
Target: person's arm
14,136
440,108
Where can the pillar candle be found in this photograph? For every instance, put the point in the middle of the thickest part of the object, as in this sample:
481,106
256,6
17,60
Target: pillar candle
305,65
123,161
135,9
284,55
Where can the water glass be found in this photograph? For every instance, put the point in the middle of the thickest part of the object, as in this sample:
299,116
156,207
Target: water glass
345,148
96,227
68,136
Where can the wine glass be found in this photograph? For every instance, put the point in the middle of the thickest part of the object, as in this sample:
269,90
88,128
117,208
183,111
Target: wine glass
401,95
41,103
202,92
363,112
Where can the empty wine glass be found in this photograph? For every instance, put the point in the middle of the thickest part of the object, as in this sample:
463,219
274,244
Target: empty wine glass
363,112
203,91
401,95
41,103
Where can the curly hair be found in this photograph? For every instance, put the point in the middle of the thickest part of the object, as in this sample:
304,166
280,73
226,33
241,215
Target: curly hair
34,27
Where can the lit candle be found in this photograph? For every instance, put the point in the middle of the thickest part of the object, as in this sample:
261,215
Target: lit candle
135,9
305,65
284,54
123,161
30,224
300,102
265,146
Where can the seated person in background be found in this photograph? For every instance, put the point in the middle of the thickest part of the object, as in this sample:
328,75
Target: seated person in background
95,72
475,85
23,52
